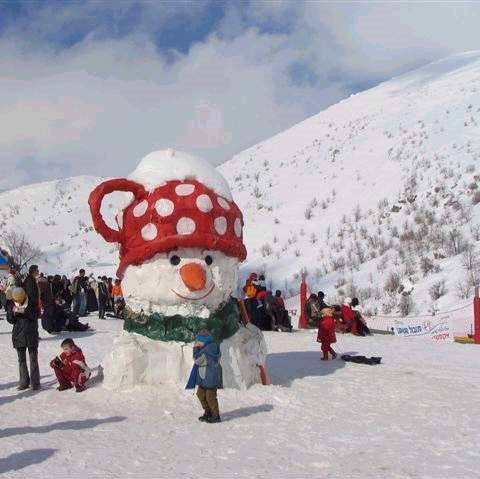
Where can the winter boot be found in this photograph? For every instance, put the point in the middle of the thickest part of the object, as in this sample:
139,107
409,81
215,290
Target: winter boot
214,419
333,353
325,356
80,388
64,387
206,416
22,387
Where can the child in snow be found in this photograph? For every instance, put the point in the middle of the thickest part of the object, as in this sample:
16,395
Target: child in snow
71,368
326,333
206,374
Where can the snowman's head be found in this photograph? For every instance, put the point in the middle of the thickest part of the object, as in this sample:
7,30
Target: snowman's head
186,281
180,235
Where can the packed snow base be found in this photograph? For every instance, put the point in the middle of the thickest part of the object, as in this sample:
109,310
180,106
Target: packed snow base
413,416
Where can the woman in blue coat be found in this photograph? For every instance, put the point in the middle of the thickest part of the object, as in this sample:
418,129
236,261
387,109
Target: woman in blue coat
207,375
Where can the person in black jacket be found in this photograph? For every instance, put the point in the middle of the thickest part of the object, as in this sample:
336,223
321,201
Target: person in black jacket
23,315
102,296
30,286
321,300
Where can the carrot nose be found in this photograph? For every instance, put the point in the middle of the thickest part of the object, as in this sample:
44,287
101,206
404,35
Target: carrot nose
194,276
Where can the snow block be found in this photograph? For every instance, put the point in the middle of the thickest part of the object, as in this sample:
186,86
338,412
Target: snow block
137,360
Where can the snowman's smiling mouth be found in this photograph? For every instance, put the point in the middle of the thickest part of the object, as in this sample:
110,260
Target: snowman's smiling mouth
194,299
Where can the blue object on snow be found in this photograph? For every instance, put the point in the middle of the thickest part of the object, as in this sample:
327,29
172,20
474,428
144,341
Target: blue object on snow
192,380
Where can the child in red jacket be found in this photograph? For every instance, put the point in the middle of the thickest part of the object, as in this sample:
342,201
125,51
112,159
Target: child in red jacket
71,368
326,333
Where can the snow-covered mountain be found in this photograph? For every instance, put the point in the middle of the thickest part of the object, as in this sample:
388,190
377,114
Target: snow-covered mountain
375,196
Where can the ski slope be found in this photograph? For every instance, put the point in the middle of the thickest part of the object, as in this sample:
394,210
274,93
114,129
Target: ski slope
413,416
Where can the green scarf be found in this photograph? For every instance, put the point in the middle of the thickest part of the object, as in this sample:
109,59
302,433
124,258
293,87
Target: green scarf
222,324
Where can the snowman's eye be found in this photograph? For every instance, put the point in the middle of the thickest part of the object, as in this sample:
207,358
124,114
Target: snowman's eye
174,260
208,260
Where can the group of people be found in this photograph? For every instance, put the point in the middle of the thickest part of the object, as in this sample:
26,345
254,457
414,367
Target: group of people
25,303
265,309
345,318
101,294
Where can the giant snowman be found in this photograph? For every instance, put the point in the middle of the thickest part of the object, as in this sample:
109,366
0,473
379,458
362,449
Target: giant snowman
180,241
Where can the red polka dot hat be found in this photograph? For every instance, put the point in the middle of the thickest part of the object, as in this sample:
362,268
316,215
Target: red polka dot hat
179,201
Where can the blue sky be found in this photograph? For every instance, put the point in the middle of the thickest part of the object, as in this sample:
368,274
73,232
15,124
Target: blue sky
90,87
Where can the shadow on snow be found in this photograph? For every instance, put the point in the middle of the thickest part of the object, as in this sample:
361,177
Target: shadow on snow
74,425
20,460
284,368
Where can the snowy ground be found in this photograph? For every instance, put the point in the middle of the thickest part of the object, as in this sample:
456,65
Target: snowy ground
414,416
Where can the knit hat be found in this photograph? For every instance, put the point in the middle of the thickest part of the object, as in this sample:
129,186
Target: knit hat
188,211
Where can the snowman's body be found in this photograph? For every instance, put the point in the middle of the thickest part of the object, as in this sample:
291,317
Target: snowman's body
179,271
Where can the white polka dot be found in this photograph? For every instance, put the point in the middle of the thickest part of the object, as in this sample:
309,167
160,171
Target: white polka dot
140,209
238,227
149,232
220,224
185,226
223,203
204,203
184,190
164,207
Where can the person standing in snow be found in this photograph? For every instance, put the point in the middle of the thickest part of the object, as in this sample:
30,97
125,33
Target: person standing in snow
207,375
79,290
102,296
326,333
312,310
22,313
31,288
321,300
71,368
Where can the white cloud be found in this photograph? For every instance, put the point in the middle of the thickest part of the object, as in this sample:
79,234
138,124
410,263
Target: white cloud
99,106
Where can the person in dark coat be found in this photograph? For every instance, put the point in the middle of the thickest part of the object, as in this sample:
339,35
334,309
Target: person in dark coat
80,288
30,286
321,300
66,293
312,310
23,315
102,296
206,356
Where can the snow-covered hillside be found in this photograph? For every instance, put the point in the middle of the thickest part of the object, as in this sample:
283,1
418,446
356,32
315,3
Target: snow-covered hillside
374,196
55,217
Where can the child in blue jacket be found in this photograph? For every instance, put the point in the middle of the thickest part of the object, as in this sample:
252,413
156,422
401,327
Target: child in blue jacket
206,356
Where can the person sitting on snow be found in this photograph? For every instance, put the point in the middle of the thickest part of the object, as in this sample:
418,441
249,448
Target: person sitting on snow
349,321
312,310
71,368
207,375
321,300
118,301
282,318
326,333
361,323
